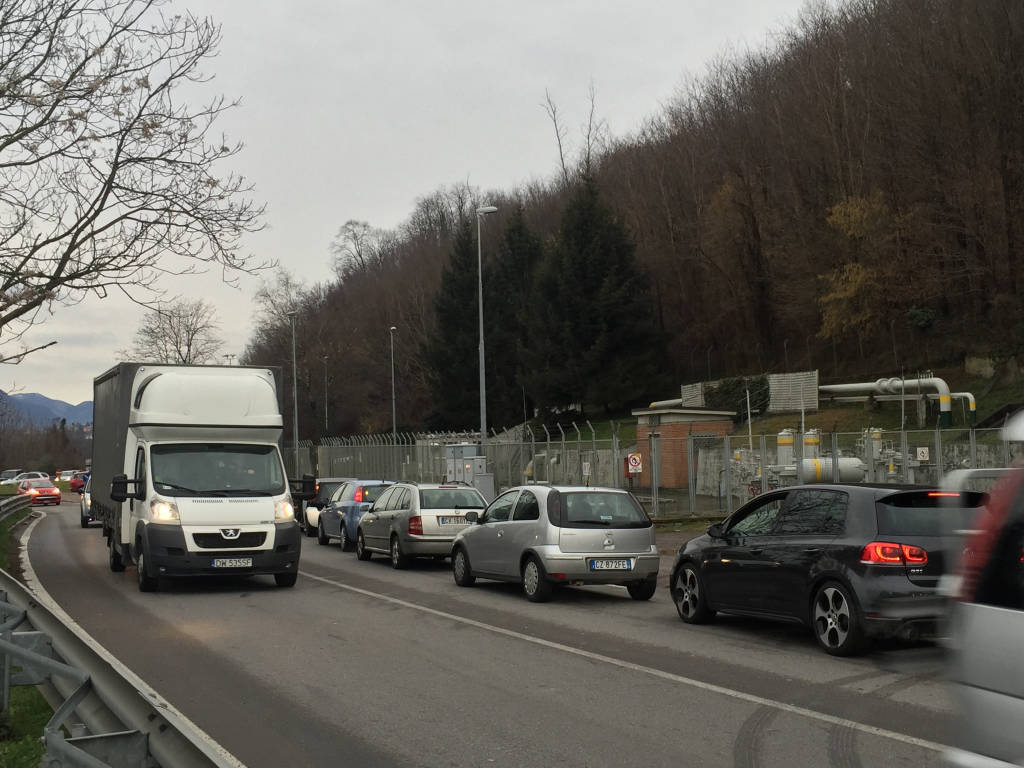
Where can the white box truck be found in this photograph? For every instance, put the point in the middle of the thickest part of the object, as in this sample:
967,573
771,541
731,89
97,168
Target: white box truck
187,477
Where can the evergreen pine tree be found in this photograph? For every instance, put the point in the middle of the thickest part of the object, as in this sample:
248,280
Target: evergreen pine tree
451,352
596,340
507,292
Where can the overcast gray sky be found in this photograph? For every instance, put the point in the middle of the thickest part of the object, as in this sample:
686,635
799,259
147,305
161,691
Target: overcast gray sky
353,110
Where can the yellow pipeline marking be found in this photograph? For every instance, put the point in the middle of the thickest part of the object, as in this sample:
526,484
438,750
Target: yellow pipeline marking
817,469
943,398
785,441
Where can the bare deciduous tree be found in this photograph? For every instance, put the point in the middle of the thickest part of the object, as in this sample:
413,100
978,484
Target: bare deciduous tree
184,332
108,178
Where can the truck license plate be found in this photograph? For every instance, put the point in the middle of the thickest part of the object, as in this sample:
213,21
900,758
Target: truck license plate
232,562
609,565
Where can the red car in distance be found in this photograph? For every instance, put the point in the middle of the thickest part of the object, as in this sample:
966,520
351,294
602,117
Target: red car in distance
41,491
78,481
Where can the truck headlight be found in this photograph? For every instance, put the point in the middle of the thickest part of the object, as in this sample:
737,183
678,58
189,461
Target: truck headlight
283,510
164,511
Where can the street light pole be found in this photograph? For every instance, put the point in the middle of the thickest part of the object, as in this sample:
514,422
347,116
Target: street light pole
295,396
480,213
325,395
394,424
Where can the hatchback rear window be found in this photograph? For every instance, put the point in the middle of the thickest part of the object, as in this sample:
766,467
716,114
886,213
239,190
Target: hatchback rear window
450,498
324,491
927,513
372,492
614,510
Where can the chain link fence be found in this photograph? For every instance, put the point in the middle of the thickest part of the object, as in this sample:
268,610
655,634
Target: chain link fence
718,473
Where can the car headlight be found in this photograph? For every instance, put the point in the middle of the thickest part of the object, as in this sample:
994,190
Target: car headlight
164,511
283,510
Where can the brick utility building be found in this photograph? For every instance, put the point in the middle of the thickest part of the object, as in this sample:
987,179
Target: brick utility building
674,424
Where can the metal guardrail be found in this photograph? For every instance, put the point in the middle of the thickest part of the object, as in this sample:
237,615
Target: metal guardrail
113,721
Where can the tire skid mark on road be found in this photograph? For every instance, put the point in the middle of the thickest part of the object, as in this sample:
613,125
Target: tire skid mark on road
842,748
903,684
732,693
747,748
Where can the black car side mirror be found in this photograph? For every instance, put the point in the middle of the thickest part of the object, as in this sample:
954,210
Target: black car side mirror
715,531
472,517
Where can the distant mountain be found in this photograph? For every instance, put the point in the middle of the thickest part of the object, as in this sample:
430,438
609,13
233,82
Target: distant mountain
42,411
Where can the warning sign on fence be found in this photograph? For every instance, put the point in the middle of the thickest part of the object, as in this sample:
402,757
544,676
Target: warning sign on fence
635,464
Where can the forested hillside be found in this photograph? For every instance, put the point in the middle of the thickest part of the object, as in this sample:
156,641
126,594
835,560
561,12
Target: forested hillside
850,199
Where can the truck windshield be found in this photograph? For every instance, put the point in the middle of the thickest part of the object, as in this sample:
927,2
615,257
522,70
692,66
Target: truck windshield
198,469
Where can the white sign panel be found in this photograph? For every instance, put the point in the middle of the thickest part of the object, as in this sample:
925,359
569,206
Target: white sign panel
635,464
922,454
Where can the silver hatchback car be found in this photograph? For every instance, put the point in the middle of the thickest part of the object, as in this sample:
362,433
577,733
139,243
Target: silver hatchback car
416,520
543,536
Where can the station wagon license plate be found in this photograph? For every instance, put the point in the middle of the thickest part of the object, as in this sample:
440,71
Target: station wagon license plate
610,565
451,520
232,562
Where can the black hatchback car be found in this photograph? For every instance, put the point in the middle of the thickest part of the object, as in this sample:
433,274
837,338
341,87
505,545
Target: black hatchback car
850,561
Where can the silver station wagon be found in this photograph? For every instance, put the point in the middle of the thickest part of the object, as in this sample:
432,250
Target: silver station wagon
543,536
416,520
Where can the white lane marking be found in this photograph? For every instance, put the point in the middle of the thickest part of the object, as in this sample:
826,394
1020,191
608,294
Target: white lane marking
210,745
688,681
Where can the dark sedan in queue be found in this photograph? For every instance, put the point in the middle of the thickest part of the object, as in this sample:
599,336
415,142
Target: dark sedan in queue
852,562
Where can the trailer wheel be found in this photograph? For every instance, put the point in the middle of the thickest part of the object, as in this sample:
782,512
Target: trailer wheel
114,555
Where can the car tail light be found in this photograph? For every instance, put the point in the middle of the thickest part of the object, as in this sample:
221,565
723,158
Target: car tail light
416,525
949,494
887,553
358,498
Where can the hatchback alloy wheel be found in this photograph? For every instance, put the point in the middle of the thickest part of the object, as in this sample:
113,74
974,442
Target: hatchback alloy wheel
835,620
688,596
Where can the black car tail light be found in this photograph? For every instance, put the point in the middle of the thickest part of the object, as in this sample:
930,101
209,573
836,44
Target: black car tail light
888,553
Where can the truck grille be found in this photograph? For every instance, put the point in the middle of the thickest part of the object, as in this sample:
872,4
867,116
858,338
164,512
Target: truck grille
248,540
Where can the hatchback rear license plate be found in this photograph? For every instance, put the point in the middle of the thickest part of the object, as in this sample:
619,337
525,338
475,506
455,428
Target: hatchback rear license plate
451,520
232,562
610,565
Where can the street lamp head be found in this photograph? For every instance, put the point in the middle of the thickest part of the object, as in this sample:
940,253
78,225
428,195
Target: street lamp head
392,329
483,210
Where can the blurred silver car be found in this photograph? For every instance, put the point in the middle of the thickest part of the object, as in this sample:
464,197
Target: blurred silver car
416,520
987,678
542,536
85,503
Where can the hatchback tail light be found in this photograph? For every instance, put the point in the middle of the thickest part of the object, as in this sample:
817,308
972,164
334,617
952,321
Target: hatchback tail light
358,498
887,553
416,525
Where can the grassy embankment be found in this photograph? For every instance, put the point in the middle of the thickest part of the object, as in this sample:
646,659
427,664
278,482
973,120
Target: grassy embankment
21,731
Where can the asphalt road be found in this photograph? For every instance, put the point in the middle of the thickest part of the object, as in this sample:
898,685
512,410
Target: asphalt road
362,665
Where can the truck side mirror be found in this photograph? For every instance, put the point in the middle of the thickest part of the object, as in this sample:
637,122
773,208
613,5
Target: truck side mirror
307,488
119,488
